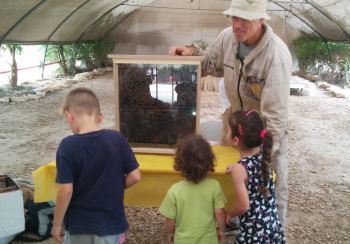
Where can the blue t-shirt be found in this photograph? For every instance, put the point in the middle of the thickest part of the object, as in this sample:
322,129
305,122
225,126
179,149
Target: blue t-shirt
96,164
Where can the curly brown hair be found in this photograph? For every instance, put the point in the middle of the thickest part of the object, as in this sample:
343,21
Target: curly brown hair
194,158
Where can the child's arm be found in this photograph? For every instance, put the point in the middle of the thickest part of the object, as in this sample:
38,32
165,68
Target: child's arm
239,178
170,227
132,178
220,221
64,195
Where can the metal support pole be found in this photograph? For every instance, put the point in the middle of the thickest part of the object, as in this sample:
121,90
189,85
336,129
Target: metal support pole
43,68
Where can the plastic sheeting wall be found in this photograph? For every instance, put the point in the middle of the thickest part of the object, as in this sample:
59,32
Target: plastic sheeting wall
42,21
153,31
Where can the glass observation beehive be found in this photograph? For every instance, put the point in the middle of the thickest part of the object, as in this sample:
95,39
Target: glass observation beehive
157,99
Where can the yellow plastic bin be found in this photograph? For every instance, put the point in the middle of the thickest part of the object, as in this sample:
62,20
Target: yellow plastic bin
158,175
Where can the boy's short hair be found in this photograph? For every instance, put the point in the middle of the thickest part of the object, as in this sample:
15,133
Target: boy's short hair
81,100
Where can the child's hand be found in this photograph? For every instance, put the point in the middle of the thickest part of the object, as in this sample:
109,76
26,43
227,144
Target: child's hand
57,233
228,218
221,236
170,239
229,169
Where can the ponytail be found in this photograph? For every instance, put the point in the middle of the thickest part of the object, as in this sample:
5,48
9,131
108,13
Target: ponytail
266,163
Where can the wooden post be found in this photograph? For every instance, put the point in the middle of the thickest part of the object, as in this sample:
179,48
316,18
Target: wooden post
116,96
198,101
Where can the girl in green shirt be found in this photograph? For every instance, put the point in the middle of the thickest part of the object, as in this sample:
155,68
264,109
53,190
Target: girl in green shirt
194,206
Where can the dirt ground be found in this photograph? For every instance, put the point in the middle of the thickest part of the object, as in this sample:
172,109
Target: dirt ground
319,159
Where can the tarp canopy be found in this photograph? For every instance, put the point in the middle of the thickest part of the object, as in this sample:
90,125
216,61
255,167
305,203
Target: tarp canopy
47,21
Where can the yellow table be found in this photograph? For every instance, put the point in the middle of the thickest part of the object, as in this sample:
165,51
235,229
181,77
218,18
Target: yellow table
157,172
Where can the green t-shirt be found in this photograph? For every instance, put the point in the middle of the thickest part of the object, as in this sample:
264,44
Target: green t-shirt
193,205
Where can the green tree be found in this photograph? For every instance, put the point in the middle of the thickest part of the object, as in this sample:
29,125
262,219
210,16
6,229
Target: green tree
65,55
94,54
13,49
91,54
324,58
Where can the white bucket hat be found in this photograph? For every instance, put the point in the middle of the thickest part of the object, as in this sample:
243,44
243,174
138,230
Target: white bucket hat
248,9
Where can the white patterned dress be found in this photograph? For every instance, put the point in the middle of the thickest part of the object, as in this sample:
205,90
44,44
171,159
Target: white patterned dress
260,224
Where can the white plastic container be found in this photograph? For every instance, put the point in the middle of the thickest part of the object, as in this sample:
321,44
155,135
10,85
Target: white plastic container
11,209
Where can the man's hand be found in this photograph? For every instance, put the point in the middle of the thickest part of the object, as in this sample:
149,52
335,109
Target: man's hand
57,233
181,51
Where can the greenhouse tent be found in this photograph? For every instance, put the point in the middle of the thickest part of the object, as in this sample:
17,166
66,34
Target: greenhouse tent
151,26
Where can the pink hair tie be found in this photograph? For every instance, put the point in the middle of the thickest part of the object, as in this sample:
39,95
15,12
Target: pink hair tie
248,112
263,133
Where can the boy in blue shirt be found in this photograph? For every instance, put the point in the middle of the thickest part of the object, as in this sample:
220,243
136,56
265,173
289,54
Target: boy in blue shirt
94,166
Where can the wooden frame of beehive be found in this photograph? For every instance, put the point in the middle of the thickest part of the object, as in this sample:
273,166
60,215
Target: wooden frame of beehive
127,66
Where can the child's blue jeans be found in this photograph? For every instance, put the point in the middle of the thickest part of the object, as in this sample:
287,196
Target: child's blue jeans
90,239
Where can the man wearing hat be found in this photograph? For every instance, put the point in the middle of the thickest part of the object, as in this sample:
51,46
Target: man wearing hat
256,66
